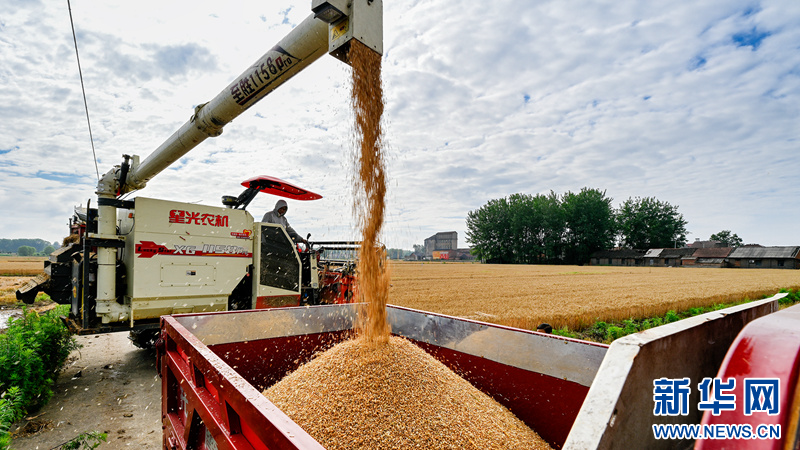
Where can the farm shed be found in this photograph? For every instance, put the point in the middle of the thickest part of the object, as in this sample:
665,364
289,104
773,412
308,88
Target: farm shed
765,257
618,257
672,257
669,257
651,257
707,257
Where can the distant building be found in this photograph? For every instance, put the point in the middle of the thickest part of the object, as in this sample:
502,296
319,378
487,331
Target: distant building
651,257
707,257
672,257
765,257
617,257
666,257
465,254
443,245
706,254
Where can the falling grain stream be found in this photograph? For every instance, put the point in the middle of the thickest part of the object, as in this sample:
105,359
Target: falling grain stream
377,391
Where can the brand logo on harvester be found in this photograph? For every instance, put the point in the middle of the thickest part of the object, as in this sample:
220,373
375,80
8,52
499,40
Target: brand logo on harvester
760,395
244,234
196,218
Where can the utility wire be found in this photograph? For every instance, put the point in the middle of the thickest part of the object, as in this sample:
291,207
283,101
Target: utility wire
83,88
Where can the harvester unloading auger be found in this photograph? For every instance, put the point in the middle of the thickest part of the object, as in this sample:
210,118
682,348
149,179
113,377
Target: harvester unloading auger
135,260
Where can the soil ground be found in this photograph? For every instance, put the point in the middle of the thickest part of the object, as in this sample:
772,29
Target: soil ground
108,386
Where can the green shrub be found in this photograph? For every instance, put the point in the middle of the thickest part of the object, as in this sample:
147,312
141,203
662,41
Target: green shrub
630,326
792,298
671,316
696,311
10,412
565,332
32,353
615,332
90,440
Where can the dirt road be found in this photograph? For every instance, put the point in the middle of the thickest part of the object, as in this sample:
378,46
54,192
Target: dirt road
109,386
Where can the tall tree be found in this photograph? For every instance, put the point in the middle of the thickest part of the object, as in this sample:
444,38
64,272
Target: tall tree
727,238
26,250
554,226
489,231
650,223
590,224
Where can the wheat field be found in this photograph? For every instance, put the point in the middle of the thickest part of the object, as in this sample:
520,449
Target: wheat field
572,296
17,266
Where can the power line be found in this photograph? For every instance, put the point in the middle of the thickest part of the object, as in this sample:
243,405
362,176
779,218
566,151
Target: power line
83,89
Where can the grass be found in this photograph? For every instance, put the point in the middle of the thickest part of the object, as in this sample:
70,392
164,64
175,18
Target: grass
608,332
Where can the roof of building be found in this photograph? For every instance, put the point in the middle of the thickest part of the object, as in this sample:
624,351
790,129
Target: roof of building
653,253
710,252
676,252
444,235
619,253
765,252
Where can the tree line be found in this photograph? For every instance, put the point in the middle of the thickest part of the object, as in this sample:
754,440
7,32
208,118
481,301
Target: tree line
12,245
568,228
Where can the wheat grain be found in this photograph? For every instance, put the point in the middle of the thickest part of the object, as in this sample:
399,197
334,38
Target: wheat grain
360,396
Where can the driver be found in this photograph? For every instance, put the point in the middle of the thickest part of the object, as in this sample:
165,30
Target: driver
278,216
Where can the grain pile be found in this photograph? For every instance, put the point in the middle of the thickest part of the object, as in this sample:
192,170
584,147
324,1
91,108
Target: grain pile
394,396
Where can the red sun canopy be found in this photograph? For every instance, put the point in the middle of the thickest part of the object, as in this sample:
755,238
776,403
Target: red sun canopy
276,186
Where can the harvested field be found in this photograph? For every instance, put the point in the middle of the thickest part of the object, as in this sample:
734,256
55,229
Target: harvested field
17,266
572,296
8,289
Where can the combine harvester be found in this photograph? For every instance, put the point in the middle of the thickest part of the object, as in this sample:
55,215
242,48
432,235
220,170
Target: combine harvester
135,260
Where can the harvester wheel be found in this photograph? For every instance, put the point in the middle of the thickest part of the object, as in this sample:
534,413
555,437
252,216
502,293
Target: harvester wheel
144,339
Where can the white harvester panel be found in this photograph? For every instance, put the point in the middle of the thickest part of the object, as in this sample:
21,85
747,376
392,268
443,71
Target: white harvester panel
183,257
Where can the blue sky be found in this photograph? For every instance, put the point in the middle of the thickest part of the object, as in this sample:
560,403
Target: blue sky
696,103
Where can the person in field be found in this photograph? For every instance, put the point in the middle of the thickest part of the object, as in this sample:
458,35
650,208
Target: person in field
278,216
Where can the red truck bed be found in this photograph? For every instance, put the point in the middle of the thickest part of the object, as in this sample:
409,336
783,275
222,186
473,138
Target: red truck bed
214,367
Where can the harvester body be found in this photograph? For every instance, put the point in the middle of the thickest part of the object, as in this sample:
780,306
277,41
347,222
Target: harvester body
131,261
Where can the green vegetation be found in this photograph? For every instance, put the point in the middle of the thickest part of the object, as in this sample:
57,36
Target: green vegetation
568,228
540,229
608,332
90,440
727,238
32,353
11,245
26,250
